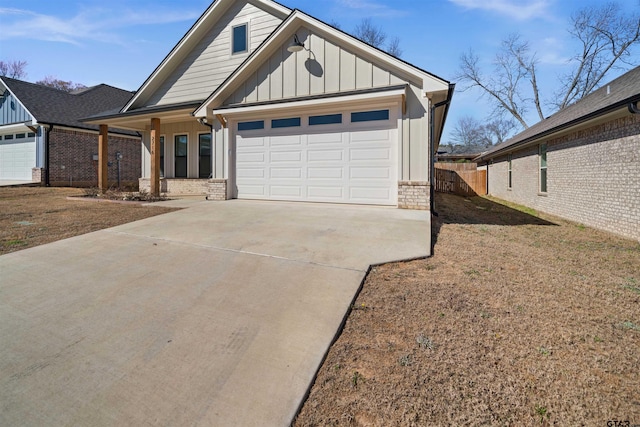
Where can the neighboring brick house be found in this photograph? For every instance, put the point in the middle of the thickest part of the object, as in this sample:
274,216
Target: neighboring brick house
582,163
42,141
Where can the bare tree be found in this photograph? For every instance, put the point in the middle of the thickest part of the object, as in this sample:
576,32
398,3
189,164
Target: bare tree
473,135
606,37
67,86
369,33
376,36
13,69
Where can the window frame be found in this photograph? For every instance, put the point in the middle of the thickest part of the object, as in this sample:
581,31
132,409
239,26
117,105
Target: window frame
250,125
200,134
543,177
286,123
175,155
246,38
162,155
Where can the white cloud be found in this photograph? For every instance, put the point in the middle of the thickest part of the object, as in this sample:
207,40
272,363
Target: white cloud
87,24
521,10
371,8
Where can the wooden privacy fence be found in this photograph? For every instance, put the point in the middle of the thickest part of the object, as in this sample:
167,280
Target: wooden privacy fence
461,178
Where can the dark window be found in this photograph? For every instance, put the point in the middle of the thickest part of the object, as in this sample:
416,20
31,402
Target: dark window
285,123
204,159
31,135
162,156
181,143
543,168
369,116
0,137
20,135
510,171
325,120
259,124
8,137
239,42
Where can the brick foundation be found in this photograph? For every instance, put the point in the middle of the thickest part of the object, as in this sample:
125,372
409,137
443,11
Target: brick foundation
37,175
413,195
176,186
217,189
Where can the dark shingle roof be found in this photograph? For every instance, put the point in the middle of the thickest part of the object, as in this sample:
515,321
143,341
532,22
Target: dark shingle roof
612,96
53,106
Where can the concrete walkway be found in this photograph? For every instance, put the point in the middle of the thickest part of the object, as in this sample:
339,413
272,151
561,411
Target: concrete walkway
215,315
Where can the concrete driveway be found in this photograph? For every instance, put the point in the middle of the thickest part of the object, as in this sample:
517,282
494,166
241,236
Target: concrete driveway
216,315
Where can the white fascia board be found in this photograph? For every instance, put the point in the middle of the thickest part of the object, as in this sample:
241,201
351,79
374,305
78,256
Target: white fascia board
392,95
203,24
285,31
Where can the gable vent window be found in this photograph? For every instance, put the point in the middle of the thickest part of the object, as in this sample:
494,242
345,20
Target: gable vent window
325,120
259,124
285,123
239,38
369,116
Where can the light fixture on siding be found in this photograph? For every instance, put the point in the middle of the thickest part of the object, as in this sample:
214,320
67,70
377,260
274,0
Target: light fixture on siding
296,45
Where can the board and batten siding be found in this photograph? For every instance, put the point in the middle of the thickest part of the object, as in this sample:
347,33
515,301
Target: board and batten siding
192,129
211,61
328,68
11,111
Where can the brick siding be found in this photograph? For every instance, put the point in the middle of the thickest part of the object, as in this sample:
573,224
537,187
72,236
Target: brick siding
71,159
217,189
413,195
177,186
593,177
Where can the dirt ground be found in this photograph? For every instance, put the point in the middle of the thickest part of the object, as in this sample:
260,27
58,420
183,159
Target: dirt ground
517,319
32,216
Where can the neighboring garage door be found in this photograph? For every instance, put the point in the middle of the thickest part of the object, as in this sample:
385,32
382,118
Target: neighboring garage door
347,157
17,157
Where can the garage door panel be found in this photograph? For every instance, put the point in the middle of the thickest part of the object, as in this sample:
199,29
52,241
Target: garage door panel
258,173
247,157
326,193
252,191
291,173
286,141
370,173
370,136
286,156
325,139
370,154
248,142
286,191
323,173
325,155
369,193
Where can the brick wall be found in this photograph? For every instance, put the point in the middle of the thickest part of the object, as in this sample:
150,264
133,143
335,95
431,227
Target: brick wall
71,159
413,195
217,189
593,177
176,186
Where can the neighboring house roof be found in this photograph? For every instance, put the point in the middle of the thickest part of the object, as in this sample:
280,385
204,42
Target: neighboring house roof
616,95
52,106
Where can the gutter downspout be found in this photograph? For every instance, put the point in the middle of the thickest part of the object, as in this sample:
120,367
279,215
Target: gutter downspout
432,139
47,183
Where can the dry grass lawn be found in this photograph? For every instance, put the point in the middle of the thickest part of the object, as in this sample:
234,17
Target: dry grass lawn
32,216
517,319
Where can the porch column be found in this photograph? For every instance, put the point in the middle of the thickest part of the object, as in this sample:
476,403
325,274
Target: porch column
103,158
155,157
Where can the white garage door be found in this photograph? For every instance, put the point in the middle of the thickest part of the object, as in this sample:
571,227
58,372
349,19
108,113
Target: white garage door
17,157
318,159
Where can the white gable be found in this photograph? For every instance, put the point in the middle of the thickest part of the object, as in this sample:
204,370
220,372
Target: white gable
203,60
326,68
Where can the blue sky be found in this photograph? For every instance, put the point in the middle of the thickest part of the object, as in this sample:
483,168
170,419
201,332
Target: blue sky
120,42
